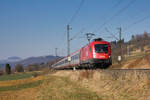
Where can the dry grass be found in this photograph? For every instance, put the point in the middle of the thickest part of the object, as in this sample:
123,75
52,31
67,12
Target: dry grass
62,88
86,74
113,84
25,94
21,89
137,62
18,82
142,63
87,85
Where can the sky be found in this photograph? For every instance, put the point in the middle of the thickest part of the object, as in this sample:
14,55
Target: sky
36,27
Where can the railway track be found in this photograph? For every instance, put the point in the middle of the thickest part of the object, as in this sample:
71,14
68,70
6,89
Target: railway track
110,69
130,69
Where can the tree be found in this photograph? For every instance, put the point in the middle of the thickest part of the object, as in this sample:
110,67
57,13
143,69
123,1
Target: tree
132,37
1,72
8,69
19,68
145,35
33,67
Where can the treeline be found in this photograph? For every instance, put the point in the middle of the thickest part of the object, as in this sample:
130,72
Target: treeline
140,41
20,68
33,67
137,42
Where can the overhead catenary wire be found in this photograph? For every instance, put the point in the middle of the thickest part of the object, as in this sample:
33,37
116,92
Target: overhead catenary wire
117,4
68,27
74,15
76,12
137,22
114,6
110,9
116,14
81,31
113,36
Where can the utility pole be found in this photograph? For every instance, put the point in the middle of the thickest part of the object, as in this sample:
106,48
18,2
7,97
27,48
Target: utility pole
68,40
56,52
89,36
128,49
120,43
120,33
68,43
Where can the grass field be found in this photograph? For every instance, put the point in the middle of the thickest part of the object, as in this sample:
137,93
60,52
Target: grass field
15,76
21,86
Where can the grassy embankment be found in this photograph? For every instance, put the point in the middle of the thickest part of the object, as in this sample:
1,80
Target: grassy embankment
97,85
81,85
62,88
137,61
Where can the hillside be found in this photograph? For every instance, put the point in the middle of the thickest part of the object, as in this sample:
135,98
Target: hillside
36,60
135,53
135,62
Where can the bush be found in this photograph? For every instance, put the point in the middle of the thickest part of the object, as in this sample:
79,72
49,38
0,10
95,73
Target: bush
33,67
19,68
1,72
35,74
8,69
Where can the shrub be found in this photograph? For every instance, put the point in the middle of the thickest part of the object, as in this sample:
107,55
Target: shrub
19,68
35,74
1,72
8,69
34,67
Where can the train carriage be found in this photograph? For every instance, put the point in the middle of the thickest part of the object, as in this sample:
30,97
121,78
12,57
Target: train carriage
95,54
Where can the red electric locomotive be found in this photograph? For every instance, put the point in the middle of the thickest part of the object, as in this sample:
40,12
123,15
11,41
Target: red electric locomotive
95,54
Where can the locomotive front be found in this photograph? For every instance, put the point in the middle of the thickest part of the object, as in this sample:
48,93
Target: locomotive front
101,53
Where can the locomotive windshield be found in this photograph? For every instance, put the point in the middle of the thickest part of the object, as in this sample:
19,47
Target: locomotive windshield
101,48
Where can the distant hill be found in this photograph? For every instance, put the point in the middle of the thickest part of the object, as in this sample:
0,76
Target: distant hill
37,60
31,60
10,59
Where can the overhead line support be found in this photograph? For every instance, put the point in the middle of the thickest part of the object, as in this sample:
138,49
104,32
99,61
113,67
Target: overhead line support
68,40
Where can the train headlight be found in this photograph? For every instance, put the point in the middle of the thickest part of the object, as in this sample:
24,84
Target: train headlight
69,58
94,55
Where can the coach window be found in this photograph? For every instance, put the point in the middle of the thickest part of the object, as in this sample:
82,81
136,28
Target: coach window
72,57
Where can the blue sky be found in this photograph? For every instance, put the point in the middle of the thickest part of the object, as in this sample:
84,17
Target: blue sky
36,27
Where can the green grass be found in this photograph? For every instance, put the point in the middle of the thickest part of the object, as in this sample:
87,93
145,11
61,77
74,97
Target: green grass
15,76
61,88
21,86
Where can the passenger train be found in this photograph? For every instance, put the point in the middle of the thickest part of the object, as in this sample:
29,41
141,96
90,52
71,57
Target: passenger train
96,54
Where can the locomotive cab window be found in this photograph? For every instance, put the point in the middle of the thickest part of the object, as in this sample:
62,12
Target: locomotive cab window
101,48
